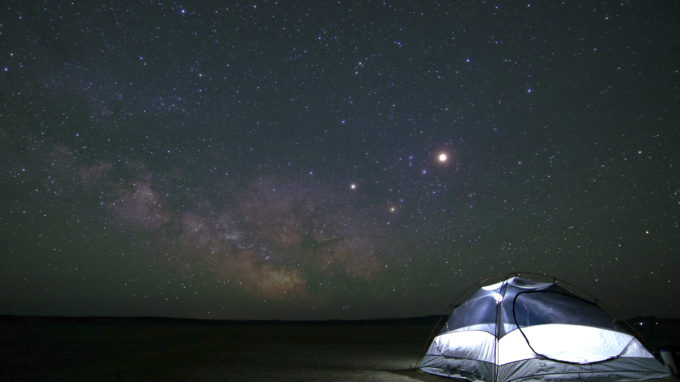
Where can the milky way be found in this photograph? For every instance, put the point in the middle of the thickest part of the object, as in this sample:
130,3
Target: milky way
334,160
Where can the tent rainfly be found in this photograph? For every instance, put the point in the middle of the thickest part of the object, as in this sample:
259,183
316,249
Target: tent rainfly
520,329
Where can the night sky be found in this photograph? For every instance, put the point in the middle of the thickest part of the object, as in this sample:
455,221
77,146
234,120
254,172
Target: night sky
313,160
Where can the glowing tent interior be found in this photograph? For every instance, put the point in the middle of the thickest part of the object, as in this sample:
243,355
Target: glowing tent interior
520,329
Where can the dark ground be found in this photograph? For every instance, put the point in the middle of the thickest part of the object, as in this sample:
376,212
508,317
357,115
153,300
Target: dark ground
182,350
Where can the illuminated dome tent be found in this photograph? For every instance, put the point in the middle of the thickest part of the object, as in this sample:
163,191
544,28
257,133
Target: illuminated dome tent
520,329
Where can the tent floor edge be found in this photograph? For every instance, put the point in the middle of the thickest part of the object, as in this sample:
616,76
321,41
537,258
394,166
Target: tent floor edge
619,369
467,369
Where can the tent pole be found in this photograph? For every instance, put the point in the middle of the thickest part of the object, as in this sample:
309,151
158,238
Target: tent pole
499,322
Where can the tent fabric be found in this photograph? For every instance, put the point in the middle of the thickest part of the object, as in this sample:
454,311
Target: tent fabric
520,329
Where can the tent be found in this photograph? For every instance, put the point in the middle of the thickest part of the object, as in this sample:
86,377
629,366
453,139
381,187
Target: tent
520,329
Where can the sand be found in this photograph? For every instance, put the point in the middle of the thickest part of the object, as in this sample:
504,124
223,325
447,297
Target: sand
113,349
138,349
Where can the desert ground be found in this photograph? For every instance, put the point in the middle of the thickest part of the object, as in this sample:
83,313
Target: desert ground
110,349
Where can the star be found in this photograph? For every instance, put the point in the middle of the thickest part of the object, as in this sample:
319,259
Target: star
291,163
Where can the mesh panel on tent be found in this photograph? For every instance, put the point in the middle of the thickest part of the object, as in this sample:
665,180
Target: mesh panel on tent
478,312
553,307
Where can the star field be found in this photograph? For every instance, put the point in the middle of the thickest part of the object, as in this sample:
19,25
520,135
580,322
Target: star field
335,159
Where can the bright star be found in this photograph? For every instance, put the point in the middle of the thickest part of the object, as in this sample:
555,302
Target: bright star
353,186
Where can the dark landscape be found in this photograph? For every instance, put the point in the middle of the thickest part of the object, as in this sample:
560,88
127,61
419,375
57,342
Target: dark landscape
169,349
49,348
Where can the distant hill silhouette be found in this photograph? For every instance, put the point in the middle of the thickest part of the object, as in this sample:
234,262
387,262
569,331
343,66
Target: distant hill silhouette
195,321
